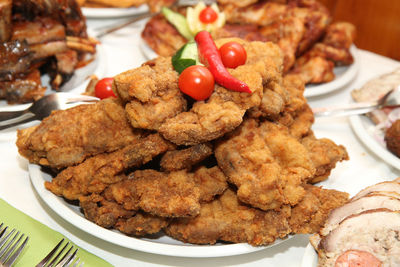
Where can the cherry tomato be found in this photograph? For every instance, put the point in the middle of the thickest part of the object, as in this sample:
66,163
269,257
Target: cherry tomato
103,88
233,54
197,82
208,15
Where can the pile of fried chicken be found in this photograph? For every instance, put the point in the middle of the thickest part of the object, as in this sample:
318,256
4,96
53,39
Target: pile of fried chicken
37,37
312,46
237,167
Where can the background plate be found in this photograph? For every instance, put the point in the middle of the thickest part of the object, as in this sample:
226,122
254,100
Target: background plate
360,125
163,245
91,12
343,76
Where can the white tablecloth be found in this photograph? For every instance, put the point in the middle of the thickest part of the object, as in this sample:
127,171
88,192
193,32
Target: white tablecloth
122,53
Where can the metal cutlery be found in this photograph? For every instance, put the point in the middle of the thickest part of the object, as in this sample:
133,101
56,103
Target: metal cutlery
42,108
11,245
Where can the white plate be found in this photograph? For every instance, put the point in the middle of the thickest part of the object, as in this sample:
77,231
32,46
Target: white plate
78,81
146,50
343,76
163,245
92,12
310,257
360,125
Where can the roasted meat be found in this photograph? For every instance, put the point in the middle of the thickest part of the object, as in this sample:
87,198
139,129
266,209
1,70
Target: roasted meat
45,35
23,89
15,59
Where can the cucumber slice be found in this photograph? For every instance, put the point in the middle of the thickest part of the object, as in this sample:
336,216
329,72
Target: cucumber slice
185,57
179,21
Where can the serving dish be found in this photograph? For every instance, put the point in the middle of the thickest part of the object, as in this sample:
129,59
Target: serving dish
162,245
92,12
310,257
366,131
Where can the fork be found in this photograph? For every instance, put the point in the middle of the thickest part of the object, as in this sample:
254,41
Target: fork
10,249
42,108
100,32
58,260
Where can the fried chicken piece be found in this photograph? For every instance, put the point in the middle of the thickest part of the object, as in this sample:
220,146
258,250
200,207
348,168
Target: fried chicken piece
340,56
301,125
286,33
69,136
314,70
151,92
273,102
102,212
223,111
227,219
141,224
210,181
340,35
248,32
185,158
96,173
162,36
296,100
309,215
316,19
174,194
266,163
260,13
324,154
163,194
110,214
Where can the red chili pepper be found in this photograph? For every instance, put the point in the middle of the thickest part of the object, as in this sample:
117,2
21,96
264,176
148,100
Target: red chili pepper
210,57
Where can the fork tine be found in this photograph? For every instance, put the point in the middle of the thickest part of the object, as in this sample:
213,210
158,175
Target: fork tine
68,258
5,245
51,253
16,253
58,255
2,232
11,250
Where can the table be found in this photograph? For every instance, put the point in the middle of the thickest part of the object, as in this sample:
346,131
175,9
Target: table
122,53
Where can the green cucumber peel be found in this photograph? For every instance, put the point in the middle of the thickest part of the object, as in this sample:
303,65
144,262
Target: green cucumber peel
179,21
185,57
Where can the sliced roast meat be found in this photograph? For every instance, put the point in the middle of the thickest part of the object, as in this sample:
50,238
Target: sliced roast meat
390,186
39,31
369,202
375,232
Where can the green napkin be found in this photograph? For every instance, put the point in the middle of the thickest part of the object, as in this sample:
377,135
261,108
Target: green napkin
42,239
